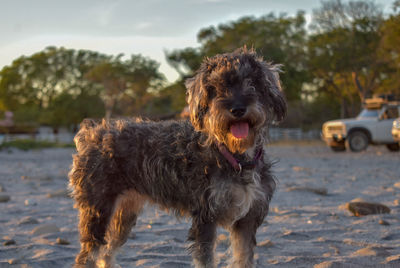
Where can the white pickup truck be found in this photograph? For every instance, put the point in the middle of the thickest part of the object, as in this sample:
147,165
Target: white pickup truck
372,126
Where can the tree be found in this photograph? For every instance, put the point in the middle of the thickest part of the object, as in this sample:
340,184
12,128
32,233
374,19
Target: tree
389,50
343,51
39,78
185,61
279,39
57,83
68,110
31,84
130,83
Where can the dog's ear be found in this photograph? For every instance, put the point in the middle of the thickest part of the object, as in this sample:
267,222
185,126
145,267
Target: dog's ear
275,97
197,98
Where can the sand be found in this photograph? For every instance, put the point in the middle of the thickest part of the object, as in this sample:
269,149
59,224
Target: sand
308,224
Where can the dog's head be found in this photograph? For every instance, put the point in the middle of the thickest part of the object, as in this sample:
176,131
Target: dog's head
234,97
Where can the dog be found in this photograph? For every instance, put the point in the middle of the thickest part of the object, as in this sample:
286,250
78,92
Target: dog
213,169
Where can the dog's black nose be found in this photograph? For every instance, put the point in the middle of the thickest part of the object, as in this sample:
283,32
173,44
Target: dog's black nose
238,111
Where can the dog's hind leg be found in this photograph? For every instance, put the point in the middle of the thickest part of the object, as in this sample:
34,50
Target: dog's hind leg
92,225
203,247
93,222
126,209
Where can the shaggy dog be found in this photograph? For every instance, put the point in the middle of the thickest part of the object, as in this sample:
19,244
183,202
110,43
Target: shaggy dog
212,169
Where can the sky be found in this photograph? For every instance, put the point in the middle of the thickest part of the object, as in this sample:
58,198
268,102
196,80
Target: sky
147,27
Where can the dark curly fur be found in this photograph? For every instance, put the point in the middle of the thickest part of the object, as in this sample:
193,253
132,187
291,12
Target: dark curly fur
121,164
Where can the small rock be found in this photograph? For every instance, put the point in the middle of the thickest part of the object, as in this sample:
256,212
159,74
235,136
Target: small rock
363,208
365,252
4,198
28,220
298,169
273,261
222,237
2,188
391,237
13,261
30,202
9,242
319,191
59,193
371,251
44,178
61,241
383,222
327,255
292,215
325,264
396,202
395,259
397,185
266,243
45,229
358,199
223,240
290,235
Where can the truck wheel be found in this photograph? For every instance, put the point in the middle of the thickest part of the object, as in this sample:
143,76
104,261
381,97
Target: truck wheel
338,148
357,141
394,147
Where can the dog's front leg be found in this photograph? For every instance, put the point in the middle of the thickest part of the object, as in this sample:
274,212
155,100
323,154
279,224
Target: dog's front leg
203,247
243,241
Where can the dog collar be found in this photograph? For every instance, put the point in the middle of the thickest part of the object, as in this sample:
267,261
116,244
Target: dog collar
237,164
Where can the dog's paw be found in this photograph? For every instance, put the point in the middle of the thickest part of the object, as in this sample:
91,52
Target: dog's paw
103,264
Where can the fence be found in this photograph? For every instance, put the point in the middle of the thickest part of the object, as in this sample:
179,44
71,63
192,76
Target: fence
43,134
282,134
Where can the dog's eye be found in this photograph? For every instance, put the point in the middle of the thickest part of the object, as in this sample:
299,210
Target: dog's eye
251,88
249,85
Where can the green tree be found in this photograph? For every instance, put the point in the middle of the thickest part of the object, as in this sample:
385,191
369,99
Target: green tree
389,50
185,61
128,85
343,57
57,83
68,110
30,85
279,39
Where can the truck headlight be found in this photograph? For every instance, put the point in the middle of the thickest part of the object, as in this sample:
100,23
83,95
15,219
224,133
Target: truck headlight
337,129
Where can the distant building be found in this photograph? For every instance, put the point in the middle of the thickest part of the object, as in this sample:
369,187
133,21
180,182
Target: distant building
8,120
185,114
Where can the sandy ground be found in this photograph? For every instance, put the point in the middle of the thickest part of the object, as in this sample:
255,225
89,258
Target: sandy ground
307,225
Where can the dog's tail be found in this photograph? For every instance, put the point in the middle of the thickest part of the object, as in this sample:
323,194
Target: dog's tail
94,136
95,145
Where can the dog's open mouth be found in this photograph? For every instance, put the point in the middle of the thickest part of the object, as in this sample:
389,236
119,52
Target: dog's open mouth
240,130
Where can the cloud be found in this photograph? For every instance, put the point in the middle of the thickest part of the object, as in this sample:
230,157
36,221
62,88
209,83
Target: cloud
143,25
123,26
103,13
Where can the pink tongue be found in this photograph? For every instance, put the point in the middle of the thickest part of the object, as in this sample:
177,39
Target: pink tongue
240,130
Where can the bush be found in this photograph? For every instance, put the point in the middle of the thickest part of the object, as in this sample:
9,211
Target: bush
28,144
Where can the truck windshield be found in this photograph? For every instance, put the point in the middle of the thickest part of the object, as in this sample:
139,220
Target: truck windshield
368,113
